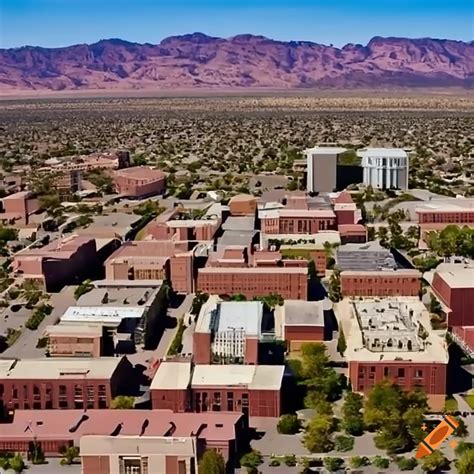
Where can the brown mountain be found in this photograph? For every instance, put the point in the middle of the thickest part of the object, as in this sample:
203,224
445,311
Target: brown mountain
197,60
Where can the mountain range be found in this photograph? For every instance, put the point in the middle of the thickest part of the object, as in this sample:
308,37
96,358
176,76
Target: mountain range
244,61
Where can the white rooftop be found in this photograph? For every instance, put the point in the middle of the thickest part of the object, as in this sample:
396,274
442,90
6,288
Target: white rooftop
382,152
222,316
73,329
255,377
459,277
56,368
101,315
325,150
172,376
303,313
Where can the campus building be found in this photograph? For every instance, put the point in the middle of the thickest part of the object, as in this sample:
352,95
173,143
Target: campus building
243,205
77,340
139,181
296,221
392,338
454,287
19,207
381,283
322,168
126,441
251,389
385,168
64,261
54,383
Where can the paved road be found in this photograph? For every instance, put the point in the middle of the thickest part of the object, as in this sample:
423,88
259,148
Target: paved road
54,467
25,346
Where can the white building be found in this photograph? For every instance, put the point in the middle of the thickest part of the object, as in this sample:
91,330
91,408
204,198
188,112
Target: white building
385,168
322,168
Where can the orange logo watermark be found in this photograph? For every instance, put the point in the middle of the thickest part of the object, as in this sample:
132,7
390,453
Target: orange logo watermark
435,438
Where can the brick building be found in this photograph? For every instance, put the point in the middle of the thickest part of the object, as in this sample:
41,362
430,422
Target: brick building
381,283
64,261
153,260
454,287
291,283
41,384
139,181
297,221
301,322
228,332
19,206
126,440
243,205
392,338
251,389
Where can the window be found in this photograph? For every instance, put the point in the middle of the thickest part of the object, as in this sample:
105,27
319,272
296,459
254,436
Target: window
133,465
418,373
230,401
216,406
385,372
401,373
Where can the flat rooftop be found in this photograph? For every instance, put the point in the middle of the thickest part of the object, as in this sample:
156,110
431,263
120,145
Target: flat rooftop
239,223
59,368
385,272
255,377
61,248
46,424
325,150
172,376
111,316
113,297
305,240
303,313
389,329
459,278
80,330
296,213
221,316
382,152
255,270
237,237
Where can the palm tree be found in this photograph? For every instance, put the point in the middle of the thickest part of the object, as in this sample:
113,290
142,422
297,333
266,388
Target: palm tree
69,455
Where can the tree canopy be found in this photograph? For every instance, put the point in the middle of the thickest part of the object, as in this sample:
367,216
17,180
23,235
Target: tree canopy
212,462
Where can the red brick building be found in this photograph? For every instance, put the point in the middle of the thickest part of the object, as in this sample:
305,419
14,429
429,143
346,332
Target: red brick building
381,283
455,289
383,342
42,384
19,206
113,441
251,389
64,261
291,283
243,205
297,221
139,181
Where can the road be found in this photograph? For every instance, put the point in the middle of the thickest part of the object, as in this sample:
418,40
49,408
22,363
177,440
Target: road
25,346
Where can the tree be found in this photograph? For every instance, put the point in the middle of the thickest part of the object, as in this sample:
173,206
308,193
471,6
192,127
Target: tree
7,234
382,234
288,424
122,402
312,272
333,464
69,453
212,462
359,461
406,464
335,286
465,464
435,305
461,431
341,342
251,460
36,453
317,438
343,443
198,301
380,462
370,233
434,462
238,297
16,463
83,288
352,418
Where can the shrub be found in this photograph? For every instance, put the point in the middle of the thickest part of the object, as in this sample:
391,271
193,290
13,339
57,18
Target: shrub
288,424
359,461
406,464
333,464
274,462
290,461
251,460
343,443
380,462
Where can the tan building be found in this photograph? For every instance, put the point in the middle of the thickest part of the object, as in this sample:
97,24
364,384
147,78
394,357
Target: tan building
74,340
153,260
243,205
139,181
19,206
322,168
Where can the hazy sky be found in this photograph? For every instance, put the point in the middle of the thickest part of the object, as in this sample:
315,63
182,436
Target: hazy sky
64,22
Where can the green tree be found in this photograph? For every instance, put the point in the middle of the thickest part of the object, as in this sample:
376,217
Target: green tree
352,418
333,464
434,462
335,286
7,234
317,438
343,443
406,464
238,297
435,305
383,236
341,342
36,453
70,454
371,234
16,463
251,460
465,464
122,402
380,462
211,462
359,461
461,431
83,288
198,301
288,424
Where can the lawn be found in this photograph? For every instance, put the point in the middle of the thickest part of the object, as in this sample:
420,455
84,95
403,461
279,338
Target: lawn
470,400
450,404
296,253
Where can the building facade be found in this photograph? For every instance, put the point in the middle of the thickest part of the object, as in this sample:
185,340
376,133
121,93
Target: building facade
291,283
139,181
74,341
381,283
385,168
322,168
293,221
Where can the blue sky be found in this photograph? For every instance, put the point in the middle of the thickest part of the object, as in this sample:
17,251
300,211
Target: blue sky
63,22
